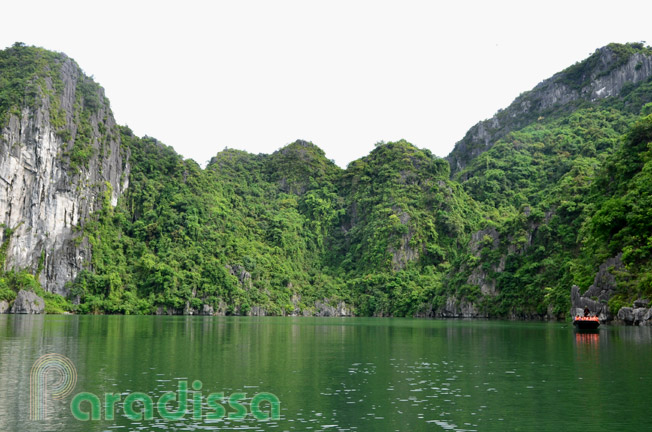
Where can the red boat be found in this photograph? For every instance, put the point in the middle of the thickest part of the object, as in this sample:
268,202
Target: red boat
586,322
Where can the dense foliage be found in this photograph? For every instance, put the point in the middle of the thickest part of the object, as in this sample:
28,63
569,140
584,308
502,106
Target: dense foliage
392,234
620,220
279,232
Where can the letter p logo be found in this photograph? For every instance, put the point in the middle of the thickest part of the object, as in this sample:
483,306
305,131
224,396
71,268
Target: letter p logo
52,375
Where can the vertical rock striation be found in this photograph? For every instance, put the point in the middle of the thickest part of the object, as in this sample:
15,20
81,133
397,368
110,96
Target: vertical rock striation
605,74
59,155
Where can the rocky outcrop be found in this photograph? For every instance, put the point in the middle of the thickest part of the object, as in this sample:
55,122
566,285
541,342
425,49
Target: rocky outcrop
4,307
635,316
163,310
294,165
479,276
603,288
452,308
640,314
321,309
579,303
604,283
324,309
405,252
27,302
42,198
602,75
258,311
244,277
455,308
207,310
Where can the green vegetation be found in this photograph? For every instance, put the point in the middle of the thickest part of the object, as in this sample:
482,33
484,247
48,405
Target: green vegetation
19,82
32,79
266,231
621,210
542,104
403,230
393,234
228,237
13,281
541,187
582,73
29,76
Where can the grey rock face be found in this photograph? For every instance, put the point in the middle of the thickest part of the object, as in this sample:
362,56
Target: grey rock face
626,314
4,307
647,318
41,198
603,288
604,283
27,302
161,310
602,81
640,315
598,294
578,303
641,303
490,237
207,310
635,316
257,311
479,238
187,310
244,277
637,69
323,309
479,277
459,309
404,253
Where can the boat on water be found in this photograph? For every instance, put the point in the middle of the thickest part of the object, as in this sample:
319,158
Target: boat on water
586,322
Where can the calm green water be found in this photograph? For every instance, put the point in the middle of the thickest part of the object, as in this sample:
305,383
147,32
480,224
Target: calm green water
339,374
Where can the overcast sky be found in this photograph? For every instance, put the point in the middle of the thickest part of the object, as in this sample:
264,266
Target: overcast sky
256,75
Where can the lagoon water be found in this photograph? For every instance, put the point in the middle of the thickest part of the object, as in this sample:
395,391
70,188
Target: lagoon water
332,374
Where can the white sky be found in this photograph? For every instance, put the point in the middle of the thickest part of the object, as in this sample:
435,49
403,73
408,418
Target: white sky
256,75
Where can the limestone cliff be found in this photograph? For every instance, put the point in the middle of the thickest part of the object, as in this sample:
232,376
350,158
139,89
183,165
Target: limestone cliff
604,74
59,153
291,233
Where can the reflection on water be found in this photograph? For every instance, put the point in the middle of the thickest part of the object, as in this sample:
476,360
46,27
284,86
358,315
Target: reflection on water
587,338
587,344
339,374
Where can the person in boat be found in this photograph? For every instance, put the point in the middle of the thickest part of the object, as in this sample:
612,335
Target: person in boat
586,311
